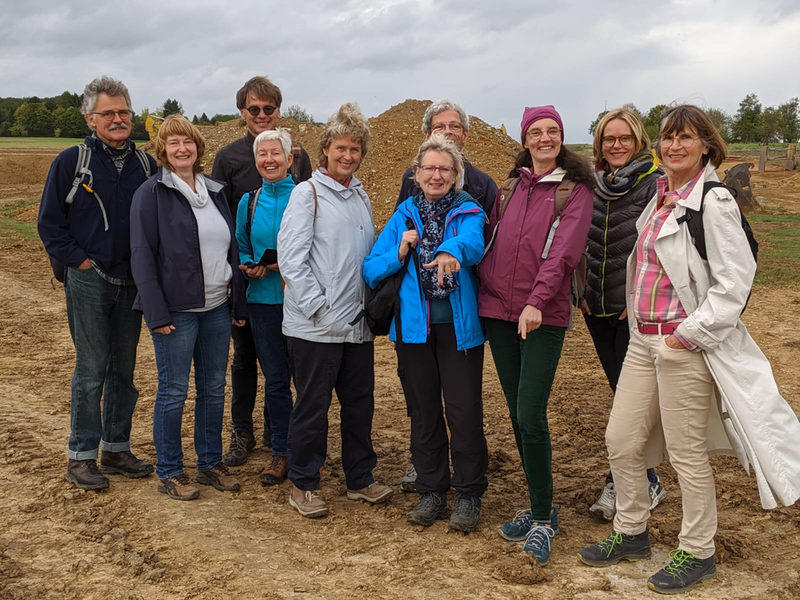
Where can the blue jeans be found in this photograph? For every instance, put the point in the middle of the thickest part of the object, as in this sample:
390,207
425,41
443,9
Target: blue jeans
105,332
266,320
204,337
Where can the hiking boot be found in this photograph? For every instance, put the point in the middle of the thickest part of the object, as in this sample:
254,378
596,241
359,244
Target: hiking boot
85,475
616,547
657,493
374,493
124,463
219,477
683,572
605,506
242,442
409,481
518,528
432,506
538,540
178,488
275,473
465,516
307,503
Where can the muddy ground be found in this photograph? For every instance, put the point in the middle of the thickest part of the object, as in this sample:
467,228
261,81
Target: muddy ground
131,542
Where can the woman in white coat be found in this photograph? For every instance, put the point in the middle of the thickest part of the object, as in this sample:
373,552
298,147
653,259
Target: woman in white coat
693,380
325,233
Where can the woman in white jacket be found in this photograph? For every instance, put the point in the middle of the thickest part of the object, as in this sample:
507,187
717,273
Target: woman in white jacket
693,381
325,233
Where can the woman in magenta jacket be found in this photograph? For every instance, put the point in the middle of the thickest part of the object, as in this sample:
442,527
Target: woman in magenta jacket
525,302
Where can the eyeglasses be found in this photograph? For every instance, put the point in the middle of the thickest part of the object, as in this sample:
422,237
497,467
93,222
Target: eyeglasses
684,139
255,110
430,170
536,134
624,140
452,126
108,115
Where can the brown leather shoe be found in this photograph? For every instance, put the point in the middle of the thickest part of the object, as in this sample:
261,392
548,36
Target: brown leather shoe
124,463
275,473
374,493
178,488
219,477
84,474
307,503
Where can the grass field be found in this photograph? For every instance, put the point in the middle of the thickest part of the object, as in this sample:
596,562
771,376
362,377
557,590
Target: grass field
44,142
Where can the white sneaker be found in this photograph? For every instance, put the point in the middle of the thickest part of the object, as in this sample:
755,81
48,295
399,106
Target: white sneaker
409,481
606,504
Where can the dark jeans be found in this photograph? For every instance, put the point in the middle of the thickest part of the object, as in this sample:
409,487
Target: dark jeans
610,336
105,332
201,337
265,321
244,380
526,369
319,368
429,372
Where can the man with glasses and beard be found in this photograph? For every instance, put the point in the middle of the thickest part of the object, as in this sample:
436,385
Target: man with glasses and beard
259,101
84,225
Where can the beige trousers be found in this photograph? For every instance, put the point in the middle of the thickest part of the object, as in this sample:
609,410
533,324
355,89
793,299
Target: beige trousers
659,383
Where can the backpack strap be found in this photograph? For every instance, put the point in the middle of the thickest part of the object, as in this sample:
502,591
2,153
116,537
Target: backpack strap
504,195
142,156
562,194
297,156
252,201
81,170
314,189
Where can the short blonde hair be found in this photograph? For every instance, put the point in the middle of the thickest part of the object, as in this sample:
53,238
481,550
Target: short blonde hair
348,120
179,125
438,143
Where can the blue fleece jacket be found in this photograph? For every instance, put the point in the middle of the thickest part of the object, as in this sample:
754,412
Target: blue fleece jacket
272,201
463,238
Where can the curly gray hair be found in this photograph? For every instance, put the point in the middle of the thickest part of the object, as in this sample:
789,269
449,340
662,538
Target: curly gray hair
102,85
441,106
348,120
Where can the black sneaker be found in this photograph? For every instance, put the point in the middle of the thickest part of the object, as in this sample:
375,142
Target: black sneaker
85,475
242,442
683,572
465,516
616,547
432,506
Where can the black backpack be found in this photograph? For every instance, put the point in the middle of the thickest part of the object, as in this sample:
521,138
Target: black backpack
383,302
694,221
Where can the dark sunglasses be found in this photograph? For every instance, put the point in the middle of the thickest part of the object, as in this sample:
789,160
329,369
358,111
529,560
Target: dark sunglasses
254,110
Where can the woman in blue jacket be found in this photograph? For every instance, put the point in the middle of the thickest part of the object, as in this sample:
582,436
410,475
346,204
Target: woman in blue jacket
440,347
258,219
185,263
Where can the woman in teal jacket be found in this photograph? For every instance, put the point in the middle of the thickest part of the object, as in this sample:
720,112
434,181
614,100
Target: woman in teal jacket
258,219
440,349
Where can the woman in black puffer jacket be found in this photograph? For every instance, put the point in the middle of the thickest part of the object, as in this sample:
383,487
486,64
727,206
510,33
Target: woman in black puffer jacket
625,173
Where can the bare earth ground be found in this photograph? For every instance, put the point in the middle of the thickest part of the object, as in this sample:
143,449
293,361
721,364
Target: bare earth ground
132,543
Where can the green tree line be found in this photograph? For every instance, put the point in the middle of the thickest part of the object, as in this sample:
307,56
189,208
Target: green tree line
752,123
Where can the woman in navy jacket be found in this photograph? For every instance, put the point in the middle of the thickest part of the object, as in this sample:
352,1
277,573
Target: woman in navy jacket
185,263
440,349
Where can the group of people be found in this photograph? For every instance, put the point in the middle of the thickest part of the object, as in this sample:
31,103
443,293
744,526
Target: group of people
282,258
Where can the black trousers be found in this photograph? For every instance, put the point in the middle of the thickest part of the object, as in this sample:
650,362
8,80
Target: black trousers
610,336
429,372
244,380
318,369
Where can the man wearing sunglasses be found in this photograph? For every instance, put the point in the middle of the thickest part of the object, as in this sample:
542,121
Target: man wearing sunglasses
259,102
84,225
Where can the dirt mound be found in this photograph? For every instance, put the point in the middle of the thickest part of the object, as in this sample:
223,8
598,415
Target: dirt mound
396,136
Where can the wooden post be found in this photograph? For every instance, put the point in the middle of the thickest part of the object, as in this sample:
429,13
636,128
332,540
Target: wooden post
790,150
762,159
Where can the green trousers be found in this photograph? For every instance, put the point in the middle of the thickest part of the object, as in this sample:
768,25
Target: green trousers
526,369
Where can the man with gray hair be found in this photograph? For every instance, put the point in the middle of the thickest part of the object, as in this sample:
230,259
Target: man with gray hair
84,225
450,120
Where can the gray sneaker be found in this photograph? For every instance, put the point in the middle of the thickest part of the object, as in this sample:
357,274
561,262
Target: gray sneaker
616,547
409,481
683,572
606,504
242,442
432,506
657,494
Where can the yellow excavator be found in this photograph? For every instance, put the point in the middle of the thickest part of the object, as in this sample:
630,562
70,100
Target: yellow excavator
152,123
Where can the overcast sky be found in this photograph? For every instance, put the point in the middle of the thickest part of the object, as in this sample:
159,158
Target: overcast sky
493,57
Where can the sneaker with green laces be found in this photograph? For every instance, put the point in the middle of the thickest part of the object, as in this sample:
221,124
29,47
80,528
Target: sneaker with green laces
616,547
683,572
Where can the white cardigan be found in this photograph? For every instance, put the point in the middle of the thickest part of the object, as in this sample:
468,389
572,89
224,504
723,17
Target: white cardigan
752,420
